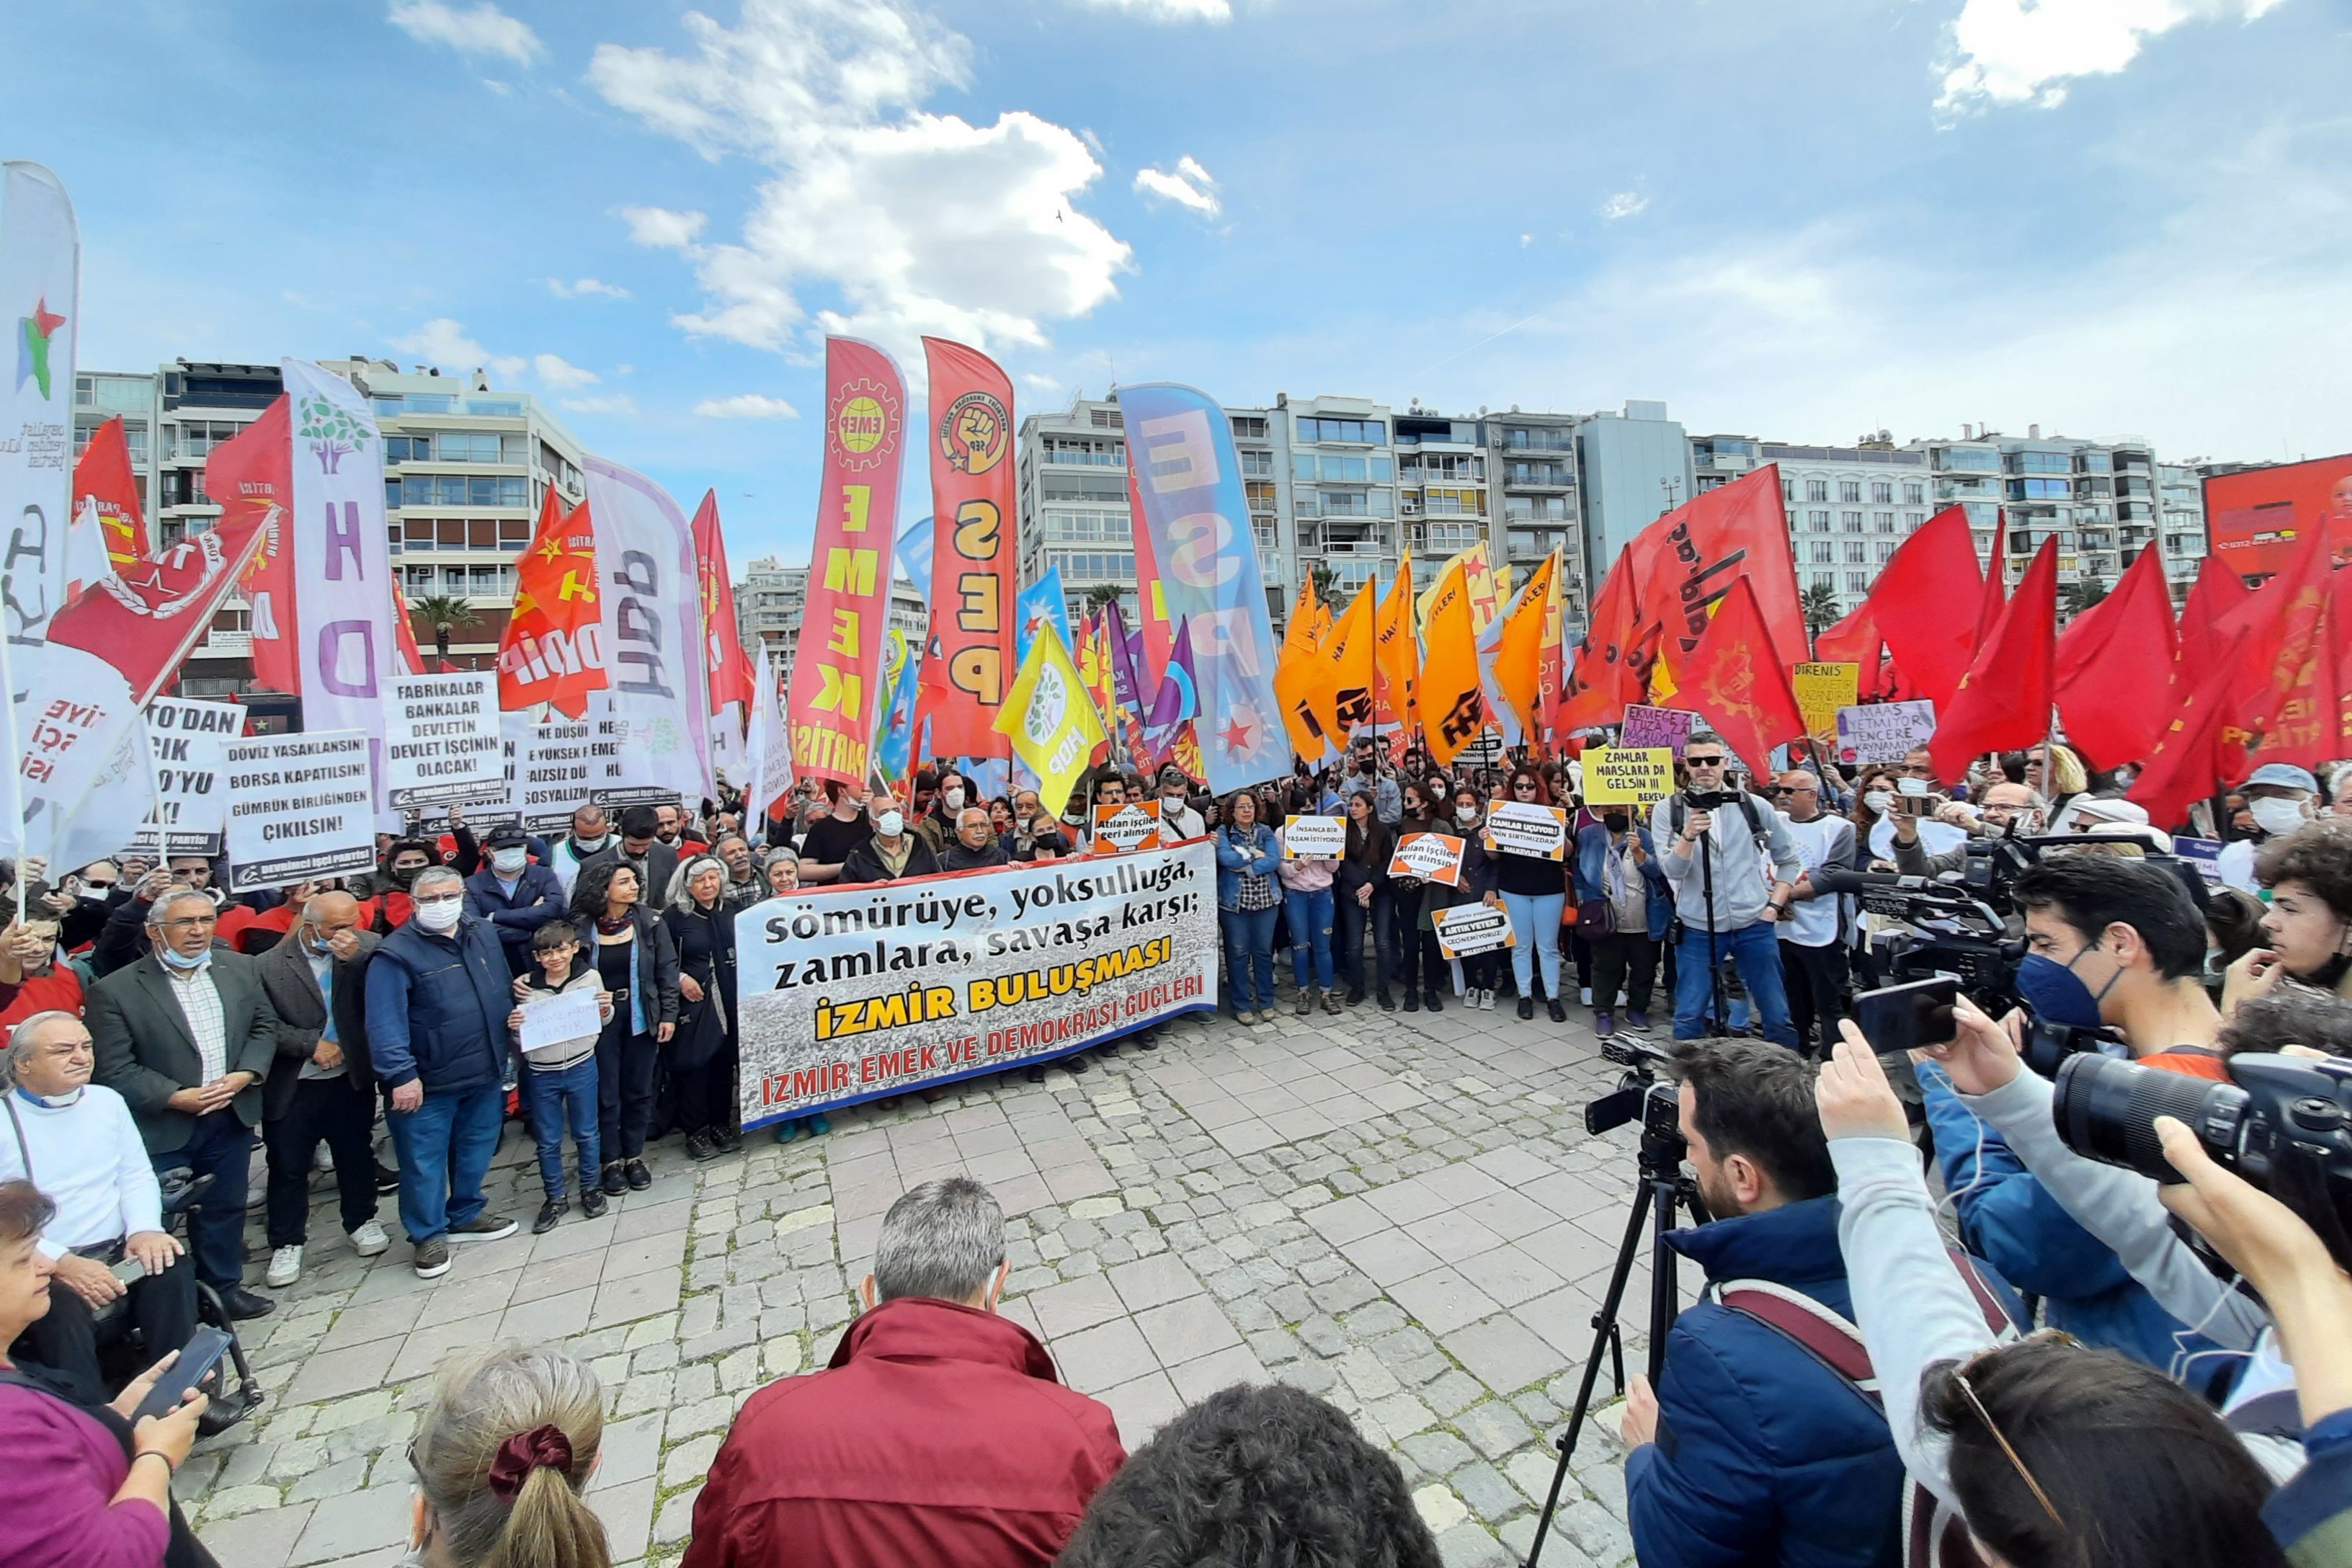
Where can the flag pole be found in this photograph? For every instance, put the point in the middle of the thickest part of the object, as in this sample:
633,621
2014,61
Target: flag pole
11,800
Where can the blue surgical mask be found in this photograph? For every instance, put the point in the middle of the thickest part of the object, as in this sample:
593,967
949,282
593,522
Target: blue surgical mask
184,961
2055,993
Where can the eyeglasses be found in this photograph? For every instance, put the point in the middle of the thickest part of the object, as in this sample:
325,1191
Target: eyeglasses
1703,762
188,923
1967,1392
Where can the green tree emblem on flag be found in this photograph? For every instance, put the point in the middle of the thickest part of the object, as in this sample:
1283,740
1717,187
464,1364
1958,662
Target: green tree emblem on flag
330,430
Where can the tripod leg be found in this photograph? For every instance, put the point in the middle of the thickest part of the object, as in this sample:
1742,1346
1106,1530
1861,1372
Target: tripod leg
1605,1333
1665,1296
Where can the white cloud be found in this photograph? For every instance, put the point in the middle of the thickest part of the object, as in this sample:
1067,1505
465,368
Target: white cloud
1041,383
444,341
483,29
746,405
1169,10
1526,240
661,228
619,402
1188,184
495,85
1624,204
913,222
586,289
560,375
2026,51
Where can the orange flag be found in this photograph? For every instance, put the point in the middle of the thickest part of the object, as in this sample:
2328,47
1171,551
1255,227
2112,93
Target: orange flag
1737,684
1296,674
552,650
1345,698
1397,655
1453,708
1518,657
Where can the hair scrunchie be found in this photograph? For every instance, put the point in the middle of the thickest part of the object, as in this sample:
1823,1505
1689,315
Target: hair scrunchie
542,1446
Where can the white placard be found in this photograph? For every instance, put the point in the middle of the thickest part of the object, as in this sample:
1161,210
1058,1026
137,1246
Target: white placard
560,1019
1467,929
441,744
299,808
1314,838
1523,827
1883,732
559,765
189,743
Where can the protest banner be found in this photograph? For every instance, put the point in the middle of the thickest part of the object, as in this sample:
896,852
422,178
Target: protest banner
1883,732
1467,929
1314,838
854,992
441,744
299,808
1432,857
2205,854
558,767
1622,776
1523,827
1821,691
1646,727
189,743
1134,825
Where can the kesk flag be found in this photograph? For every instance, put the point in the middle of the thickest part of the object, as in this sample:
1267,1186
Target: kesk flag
1345,698
1184,472
651,599
1611,667
1687,559
1041,605
1397,651
103,480
838,662
1518,659
552,649
1735,680
1299,676
1452,706
2113,706
1051,721
1924,605
722,636
975,555
251,476
40,285
2003,701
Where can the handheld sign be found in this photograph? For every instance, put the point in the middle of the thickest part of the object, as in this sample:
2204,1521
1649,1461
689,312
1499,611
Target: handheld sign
299,808
1134,825
190,740
1432,857
1618,776
1467,929
549,1021
441,742
1883,732
1314,838
1821,691
1667,727
1522,827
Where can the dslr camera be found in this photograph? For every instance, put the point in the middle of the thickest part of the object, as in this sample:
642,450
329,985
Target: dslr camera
1640,1093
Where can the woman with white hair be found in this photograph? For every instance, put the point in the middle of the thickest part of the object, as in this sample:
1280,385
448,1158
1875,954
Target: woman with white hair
702,1051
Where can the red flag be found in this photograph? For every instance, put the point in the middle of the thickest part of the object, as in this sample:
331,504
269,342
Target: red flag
1735,681
1925,603
975,553
103,477
730,667
2114,707
1854,640
554,646
2003,701
2218,591
1996,576
1687,559
2187,762
2281,667
403,631
1612,665
251,476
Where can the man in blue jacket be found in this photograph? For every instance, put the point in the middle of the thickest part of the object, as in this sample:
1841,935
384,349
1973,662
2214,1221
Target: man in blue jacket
1752,1450
514,893
438,994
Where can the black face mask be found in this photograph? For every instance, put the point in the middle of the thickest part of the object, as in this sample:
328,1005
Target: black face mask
404,875
1616,821
1367,764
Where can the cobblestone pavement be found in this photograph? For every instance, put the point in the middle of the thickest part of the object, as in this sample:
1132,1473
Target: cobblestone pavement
1399,1212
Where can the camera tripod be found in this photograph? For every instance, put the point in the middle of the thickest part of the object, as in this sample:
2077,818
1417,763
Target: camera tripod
1663,1188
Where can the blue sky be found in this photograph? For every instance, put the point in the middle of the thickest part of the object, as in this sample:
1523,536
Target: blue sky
1801,220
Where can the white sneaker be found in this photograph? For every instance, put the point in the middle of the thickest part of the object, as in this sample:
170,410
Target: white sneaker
1486,1000
285,1267
1584,994
323,1159
370,1239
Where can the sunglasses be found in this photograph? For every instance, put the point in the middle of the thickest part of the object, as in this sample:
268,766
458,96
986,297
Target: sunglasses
1705,761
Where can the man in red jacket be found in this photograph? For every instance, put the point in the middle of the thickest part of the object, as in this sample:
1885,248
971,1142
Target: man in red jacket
937,1435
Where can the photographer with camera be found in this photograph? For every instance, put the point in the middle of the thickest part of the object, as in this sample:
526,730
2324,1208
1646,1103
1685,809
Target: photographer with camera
2003,804
2308,925
1729,860
1751,1449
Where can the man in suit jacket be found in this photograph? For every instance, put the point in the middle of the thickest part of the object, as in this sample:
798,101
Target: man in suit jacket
186,1036
322,1085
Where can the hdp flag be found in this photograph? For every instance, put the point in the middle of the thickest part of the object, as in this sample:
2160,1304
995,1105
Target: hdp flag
1185,477
1052,720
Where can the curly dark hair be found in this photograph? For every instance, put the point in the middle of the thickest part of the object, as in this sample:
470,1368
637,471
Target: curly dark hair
2288,1015
1254,1476
2319,856
595,880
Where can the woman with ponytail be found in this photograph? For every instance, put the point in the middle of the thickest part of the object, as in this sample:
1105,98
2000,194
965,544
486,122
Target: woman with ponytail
502,1456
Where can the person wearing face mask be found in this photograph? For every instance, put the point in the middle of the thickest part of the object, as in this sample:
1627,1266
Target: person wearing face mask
439,994
1178,818
1477,886
936,824
322,1086
893,853
591,838
515,895
2281,798
402,863
826,845
2308,925
1364,775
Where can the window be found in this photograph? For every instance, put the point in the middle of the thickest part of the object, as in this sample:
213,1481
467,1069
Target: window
1881,491
1915,495
2039,489
1819,521
469,446
408,448
1858,582
514,533
1787,489
1855,550
1825,579
1882,522
1260,493
1912,519
1817,490
2039,463
1362,432
1822,552
1849,490
1973,459
1256,464
1249,426
1849,522
1886,551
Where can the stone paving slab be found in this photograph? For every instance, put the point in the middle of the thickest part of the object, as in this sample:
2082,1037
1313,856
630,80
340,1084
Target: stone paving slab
1401,1214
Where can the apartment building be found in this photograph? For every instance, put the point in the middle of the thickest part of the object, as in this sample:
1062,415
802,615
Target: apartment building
1848,507
768,601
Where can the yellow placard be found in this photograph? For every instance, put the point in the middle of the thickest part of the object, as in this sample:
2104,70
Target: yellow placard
1821,690
1628,775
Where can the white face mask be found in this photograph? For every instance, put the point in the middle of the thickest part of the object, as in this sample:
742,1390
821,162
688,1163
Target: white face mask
1879,802
509,860
440,914
2274,816
890,824
1465,814
953,795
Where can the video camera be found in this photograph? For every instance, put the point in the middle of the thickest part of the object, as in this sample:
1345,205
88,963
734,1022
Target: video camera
1640,1093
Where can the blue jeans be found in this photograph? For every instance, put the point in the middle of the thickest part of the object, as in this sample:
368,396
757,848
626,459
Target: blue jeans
552,1096
444,1147
1535,921
1755,950
1249,957
1311,935
219,1146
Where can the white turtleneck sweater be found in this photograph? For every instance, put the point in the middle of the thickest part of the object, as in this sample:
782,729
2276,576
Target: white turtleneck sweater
89,1160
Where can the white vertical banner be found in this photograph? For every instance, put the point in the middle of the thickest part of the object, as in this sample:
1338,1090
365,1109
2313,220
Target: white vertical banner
770,746
651,599
344,597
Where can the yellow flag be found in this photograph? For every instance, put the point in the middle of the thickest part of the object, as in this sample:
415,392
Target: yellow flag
1398,651
1478,575
1453,709
1299,675
1518,657
1051,719
1345,701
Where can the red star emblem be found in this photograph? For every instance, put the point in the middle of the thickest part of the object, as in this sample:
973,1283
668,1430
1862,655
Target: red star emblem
45,320
1235,735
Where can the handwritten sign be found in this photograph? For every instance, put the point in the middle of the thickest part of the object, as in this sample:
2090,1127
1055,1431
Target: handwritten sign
1883,732
1432,857
1467,929
1522,827
561,1019
1647,727
1821,690
1620,776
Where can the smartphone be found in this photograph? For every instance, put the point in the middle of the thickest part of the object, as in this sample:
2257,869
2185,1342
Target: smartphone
129,1271
1916,804
1908,1016
199,1357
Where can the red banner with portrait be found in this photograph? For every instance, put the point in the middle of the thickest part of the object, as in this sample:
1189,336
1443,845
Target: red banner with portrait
975,558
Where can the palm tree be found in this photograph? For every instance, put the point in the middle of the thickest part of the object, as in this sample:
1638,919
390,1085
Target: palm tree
1820,604
2081,596
1102,594
446,612
1323,577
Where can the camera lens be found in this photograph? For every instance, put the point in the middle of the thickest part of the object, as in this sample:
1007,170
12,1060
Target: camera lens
2106,1109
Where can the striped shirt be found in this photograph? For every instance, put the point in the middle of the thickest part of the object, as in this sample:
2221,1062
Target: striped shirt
200,1004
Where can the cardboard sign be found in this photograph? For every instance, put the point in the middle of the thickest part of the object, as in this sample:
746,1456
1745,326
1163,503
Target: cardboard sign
1467,929
1314,838
441,742
1883,732
1619,777
299,808
1522,827
189,743
1122,828
1821,690
1432,857
1646,727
